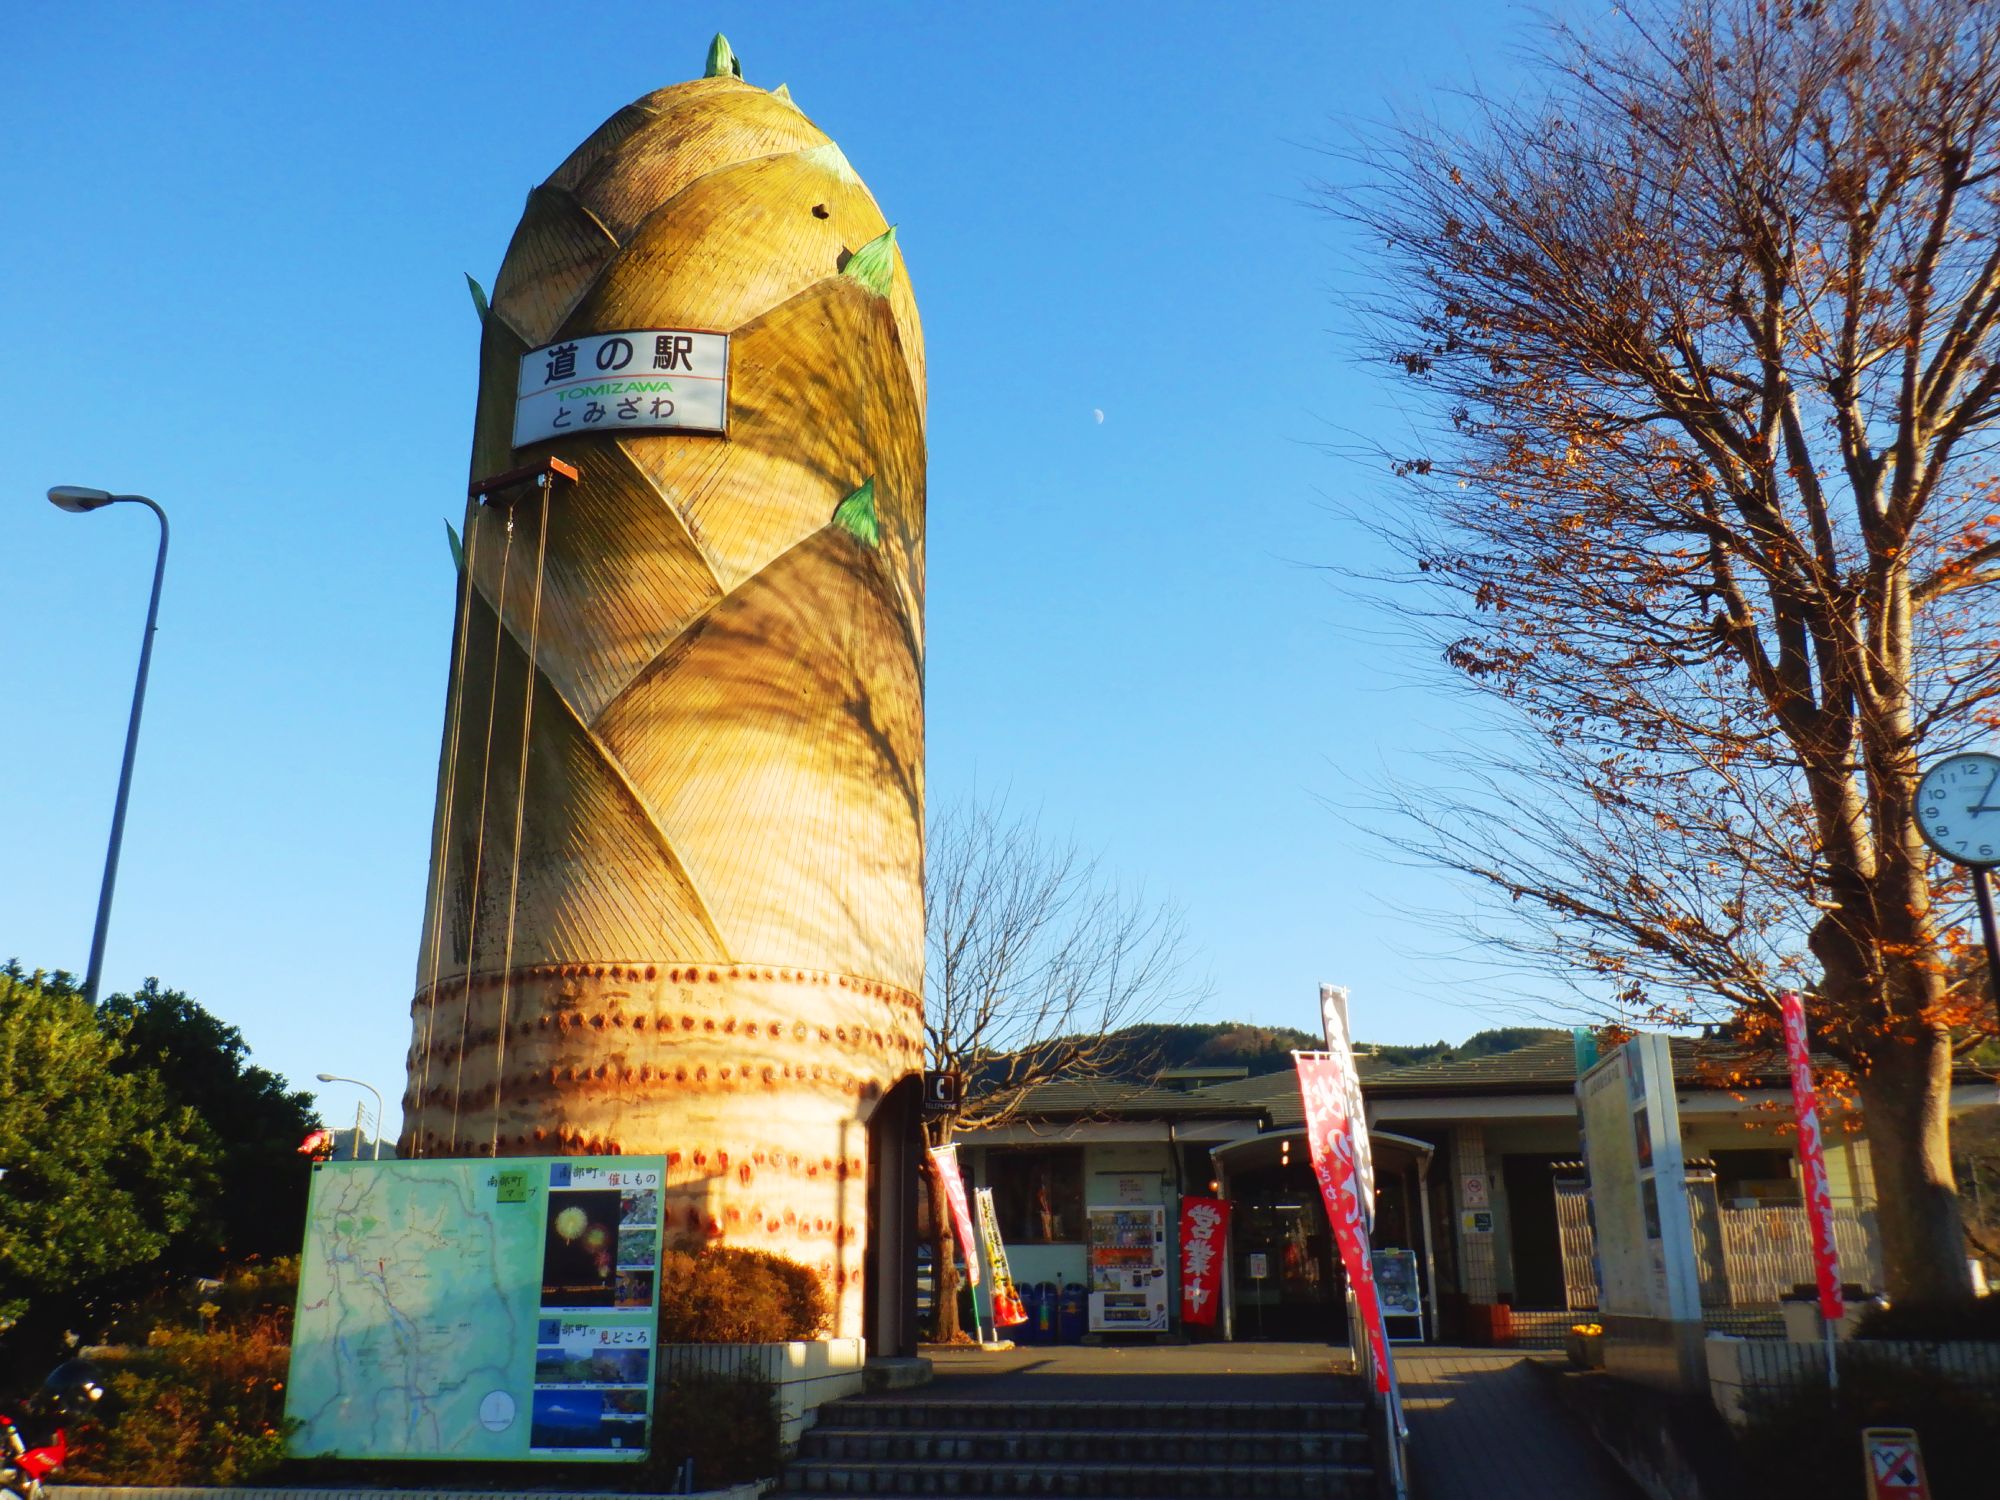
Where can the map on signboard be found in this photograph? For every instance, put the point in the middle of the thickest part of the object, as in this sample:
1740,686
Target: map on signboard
477,1309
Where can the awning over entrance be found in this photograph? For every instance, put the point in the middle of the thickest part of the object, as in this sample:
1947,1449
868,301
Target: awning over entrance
1276,1158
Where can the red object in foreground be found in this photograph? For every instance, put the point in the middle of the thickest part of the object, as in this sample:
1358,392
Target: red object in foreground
1812,1161
944,1161
318,1145
1330,1133
1204,1232
22,1468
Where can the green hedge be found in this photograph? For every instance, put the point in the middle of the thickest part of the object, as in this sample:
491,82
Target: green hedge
723,1295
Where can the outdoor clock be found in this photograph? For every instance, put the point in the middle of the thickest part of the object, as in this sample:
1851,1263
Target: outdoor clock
1958,808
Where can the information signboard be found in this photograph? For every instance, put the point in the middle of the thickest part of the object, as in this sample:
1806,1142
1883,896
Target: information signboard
1397,1288
490,1309
1649,1286
636,380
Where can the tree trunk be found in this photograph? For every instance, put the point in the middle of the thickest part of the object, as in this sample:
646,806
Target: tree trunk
1906,1104
944,1276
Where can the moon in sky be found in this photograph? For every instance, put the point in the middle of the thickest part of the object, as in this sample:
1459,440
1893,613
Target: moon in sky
1098,412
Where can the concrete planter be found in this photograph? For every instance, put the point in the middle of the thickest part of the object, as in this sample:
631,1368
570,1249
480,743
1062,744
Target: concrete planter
1585,1350
806,1374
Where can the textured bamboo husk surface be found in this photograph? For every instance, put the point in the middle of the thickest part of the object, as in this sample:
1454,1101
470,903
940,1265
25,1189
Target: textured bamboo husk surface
707,941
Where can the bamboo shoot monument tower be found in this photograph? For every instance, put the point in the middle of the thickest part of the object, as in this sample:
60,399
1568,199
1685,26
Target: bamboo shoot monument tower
675,899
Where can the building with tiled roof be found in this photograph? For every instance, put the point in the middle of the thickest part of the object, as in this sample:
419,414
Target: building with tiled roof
1478,1181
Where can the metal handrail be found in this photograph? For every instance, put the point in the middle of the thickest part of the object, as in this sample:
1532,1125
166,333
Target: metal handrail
1395,1431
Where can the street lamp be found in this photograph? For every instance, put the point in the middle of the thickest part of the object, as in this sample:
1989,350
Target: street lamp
79,500
336,1078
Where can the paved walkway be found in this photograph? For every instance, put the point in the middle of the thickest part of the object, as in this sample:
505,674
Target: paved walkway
1484,1426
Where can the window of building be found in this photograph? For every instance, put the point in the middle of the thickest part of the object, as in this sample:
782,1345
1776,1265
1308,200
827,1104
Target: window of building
1037,1195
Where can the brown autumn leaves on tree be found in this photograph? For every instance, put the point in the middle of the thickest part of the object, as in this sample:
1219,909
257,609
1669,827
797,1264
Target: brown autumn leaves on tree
1033,959
1708,318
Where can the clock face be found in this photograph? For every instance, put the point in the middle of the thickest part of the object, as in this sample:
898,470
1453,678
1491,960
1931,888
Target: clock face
1958,808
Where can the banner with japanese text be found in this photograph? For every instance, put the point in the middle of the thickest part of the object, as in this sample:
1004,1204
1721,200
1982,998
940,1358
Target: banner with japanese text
1812,1160
1331,1127
944,1162
1340,1046
1204,1233
1007,1308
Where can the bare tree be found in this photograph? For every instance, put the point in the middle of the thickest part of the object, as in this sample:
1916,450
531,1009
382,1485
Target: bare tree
1710,322
1033,959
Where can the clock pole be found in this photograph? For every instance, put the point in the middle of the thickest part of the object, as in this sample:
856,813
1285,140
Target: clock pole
1982,893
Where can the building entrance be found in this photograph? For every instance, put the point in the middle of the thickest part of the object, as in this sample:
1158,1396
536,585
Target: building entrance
1280,1230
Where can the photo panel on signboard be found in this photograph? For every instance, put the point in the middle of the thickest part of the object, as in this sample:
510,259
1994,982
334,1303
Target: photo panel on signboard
579,1258
583,1420
564,1365
638,1248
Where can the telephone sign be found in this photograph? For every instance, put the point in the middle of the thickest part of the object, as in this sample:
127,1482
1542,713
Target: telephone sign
943,1092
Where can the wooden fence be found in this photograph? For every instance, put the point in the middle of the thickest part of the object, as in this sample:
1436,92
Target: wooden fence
1748,1257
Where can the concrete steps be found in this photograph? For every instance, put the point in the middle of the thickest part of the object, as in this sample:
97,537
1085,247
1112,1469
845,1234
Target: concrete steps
1142,1450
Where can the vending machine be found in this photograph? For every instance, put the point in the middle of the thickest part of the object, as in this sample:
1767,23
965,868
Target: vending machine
1128,1268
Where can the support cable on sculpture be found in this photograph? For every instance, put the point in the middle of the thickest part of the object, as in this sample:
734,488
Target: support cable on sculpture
479,842
429,990
520,807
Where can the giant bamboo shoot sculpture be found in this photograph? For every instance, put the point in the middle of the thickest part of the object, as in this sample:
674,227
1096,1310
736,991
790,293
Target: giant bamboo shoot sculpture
676,889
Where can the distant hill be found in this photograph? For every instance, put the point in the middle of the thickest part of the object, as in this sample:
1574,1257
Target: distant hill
1144,1051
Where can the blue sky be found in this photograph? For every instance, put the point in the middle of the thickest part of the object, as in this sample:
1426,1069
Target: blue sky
233,281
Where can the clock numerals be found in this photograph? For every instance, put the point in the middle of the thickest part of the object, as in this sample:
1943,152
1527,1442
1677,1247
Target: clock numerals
1958,808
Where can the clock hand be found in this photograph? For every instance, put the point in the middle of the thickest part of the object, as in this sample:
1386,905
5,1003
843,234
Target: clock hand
1984,805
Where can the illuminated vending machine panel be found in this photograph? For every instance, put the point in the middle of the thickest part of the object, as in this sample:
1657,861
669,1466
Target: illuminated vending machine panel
1128,1269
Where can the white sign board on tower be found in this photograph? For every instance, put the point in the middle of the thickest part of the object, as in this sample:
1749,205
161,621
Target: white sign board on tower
637,380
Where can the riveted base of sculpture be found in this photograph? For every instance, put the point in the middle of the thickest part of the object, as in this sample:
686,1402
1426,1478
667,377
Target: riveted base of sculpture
708,1065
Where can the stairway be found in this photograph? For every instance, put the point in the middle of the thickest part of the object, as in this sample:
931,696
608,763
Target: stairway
1159,1450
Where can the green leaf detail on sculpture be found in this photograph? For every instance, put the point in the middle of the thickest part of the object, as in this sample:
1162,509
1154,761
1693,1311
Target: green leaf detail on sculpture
478,296
722,62
856,515
874,264
451,535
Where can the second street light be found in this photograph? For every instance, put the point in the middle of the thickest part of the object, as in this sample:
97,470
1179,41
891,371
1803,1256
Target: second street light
79,501
336,1078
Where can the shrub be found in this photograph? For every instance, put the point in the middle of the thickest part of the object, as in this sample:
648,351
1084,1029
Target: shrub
1949,1322
1798,1442
727,1425
192,1407
724,1295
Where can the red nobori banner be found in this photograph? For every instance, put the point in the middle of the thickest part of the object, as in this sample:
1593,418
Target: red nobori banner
944,1162
1204,1232
1812,1160
1330,1132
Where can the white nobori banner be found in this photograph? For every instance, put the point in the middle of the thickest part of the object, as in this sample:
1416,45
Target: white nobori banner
637,380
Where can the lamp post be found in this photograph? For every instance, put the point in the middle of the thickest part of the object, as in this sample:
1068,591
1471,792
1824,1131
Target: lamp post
336,1078
79,500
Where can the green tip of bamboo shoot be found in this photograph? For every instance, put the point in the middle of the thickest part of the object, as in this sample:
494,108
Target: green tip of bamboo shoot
856,515
478,299
722,61
451,531
874,264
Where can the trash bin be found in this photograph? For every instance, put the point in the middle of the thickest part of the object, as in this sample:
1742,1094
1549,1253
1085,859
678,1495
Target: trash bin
1071,1321
1039,1302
